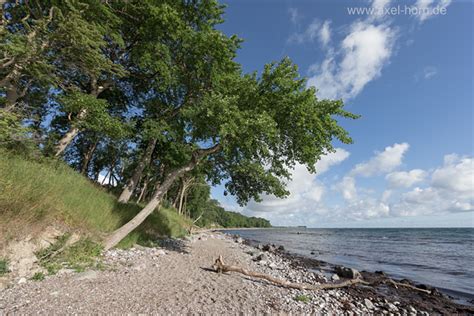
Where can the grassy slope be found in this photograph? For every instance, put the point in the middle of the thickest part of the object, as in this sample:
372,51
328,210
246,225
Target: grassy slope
34,194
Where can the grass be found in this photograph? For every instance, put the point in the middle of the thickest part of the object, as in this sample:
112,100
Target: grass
38,276
3,266
35,194
79,256
302,298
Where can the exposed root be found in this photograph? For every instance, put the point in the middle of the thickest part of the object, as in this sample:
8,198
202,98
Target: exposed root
220,267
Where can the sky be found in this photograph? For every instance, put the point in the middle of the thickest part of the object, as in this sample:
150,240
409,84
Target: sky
406,68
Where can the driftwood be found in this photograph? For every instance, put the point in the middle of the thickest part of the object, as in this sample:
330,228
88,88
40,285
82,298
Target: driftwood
397,284
220,267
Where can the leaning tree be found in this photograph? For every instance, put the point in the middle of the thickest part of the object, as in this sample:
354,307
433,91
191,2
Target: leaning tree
248,131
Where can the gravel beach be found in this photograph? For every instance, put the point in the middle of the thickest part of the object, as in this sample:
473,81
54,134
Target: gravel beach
176,279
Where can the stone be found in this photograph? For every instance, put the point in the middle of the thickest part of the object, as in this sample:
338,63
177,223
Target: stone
160,252
368,304
335,277
22,280
239,240
269,248
348,273
411,309
281,248
392,308
261,257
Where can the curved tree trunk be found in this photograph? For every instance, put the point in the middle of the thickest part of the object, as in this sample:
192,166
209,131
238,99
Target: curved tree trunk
88,157
160,192
137,173
65,141
70,135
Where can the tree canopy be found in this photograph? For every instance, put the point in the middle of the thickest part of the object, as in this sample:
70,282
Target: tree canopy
148,93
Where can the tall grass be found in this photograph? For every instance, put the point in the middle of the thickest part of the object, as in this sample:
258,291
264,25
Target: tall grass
37,193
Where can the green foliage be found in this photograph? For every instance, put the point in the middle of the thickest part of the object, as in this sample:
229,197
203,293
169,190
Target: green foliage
38,276
123,73
92,114
302,298
13,135
79,256
35,193
3,266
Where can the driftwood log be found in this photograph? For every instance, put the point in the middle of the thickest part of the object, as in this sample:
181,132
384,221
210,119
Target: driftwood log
397,284
220,267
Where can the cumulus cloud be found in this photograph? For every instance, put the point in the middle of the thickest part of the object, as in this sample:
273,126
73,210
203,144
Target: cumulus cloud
456,175
359,59
306,191
429,8
382,162
451,190
347,187
448,188
405,179
316,30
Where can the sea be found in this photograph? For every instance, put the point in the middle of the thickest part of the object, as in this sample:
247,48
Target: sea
440,257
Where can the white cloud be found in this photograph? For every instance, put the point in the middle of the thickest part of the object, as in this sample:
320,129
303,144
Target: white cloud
306,191
405,179
316,30
359,59
325,33
294,15
451,190
429,8
382,162
456,175
429,72
348,188
379,6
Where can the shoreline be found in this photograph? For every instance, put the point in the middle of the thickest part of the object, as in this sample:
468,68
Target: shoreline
440,301
176,279
458,295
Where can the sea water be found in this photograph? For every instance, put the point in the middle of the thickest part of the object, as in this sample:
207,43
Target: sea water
440,257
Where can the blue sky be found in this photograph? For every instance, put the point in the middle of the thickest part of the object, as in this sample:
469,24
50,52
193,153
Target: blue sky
408,74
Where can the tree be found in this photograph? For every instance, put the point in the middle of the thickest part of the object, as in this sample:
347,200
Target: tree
249,131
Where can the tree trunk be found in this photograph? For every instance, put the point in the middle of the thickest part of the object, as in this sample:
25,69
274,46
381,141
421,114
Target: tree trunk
66,140
87,158
181,196
123,231
70,135
137,173
142,192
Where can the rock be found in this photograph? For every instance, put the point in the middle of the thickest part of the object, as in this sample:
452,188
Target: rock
239,240
55,293
391,308
348,273
281,248
411,309
269,248
368,304
160,252
261,257
22,280
259,247
335,277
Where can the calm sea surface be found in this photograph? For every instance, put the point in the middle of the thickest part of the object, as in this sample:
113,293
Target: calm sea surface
441,257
